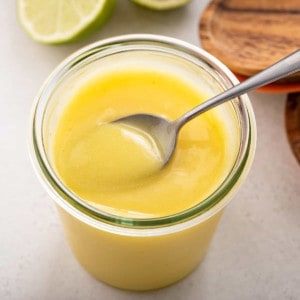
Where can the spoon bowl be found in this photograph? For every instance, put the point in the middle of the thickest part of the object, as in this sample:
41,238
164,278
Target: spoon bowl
164,133
161,131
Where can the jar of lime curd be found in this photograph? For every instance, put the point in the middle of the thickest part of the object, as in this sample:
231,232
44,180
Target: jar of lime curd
130,222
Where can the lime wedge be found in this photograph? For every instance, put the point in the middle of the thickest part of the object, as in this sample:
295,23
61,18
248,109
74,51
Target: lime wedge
161,4
61,21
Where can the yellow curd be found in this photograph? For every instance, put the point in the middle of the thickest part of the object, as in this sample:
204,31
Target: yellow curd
118,170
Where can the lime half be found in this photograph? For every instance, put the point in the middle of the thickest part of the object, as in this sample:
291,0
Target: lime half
61,21
161,4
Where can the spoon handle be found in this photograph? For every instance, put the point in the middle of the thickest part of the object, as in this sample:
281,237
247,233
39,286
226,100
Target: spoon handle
286,66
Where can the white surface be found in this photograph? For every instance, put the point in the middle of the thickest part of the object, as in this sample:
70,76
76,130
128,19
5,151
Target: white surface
256,251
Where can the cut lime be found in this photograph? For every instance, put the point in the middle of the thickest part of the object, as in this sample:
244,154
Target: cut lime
61,21
161,4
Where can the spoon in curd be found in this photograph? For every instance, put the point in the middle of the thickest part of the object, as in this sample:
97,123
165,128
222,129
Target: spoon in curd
164,132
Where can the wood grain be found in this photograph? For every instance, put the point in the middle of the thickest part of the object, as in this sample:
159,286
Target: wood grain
249,35
292,121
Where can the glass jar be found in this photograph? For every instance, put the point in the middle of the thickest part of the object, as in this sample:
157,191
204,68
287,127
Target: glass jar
135,253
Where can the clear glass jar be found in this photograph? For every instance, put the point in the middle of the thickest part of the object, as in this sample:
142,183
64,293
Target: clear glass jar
129,253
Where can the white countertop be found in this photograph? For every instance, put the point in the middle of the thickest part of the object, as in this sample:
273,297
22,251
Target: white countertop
256,251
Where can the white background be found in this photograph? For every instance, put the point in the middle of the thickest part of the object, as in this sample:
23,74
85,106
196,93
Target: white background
256,251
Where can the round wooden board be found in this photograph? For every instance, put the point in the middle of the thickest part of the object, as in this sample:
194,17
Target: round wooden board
292,122
250,35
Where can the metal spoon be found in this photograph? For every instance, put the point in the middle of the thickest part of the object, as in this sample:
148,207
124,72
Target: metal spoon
165,132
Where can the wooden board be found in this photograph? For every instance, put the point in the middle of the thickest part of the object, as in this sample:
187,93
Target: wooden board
292,121
249,35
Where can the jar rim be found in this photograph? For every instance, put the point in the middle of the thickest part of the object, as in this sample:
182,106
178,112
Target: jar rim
64,197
